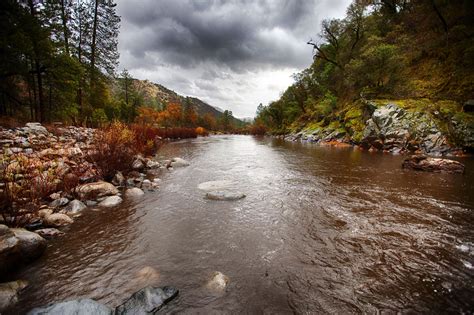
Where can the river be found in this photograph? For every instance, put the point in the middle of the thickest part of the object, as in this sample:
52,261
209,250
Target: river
322,230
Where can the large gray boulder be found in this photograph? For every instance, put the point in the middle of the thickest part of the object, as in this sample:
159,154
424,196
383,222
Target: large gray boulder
147,301
96,190
73,307
9,293
31,245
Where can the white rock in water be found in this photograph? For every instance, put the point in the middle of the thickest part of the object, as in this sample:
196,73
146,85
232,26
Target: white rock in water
216,185
179,162
134,192
111,201
224,195
218,281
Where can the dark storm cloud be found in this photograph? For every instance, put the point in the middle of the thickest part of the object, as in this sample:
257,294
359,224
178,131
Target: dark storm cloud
234,33
233,54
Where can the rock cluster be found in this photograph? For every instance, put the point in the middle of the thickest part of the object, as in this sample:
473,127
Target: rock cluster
428,164
146,301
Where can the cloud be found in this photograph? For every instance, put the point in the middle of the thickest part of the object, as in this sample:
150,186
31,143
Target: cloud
208,48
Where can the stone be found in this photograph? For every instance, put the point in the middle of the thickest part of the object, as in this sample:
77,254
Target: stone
75,206
96,190
49,233
59,202
152,164
224,195
30,245
9,293
43,213
218,281
119,179
8,248
34,127
179,162
134,192
138,163
429,164
110,201
55,196
146,184
147,301
57,220
73,307
216,185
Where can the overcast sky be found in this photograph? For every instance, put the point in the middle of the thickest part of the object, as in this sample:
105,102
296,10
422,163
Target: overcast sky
231,54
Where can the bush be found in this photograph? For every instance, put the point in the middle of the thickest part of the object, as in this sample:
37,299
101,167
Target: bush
115,148
25,181
258,130
202,132
148,139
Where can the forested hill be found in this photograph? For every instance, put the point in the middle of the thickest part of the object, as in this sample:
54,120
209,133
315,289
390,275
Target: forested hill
157,96
416,55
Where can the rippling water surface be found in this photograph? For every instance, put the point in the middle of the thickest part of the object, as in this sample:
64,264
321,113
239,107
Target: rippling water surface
322,230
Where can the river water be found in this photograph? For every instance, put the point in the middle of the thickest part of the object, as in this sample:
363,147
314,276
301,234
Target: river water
322,230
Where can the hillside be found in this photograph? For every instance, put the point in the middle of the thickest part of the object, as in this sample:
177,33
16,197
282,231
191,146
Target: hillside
412,59
157,96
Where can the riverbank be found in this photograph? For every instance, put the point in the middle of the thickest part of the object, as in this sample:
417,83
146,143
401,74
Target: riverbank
395,127
49,177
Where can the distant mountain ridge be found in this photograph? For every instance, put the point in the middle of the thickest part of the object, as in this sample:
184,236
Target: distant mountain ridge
156,95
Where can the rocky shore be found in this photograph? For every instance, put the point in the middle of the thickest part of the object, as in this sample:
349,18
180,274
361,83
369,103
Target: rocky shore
391,128
47,179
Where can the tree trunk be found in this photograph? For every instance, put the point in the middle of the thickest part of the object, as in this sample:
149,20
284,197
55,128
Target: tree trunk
65,30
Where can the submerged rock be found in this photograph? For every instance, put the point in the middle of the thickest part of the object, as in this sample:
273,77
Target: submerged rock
424,163
224,195
73,307
218,281
179,162
9,293
96,190
110,201
49,233
216,185
147,301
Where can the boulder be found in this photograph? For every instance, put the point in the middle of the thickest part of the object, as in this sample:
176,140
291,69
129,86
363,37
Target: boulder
110,201
134,192
218,281
428,164
179,162
57,220
96,190
138,164
73,307
8,248
152,164
31,245
43,213
147,301
224,195
75,206
49,233
59,202
9,293
34,127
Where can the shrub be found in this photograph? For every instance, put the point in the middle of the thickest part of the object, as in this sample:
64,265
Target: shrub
258,130
148,139
115,148
202,132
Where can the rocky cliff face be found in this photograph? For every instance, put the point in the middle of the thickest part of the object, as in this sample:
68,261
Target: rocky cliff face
391,128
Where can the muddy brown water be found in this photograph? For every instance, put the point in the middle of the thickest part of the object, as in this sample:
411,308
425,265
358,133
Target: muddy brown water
322,230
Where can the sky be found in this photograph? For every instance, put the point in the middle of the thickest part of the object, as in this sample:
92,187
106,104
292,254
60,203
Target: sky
231,54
